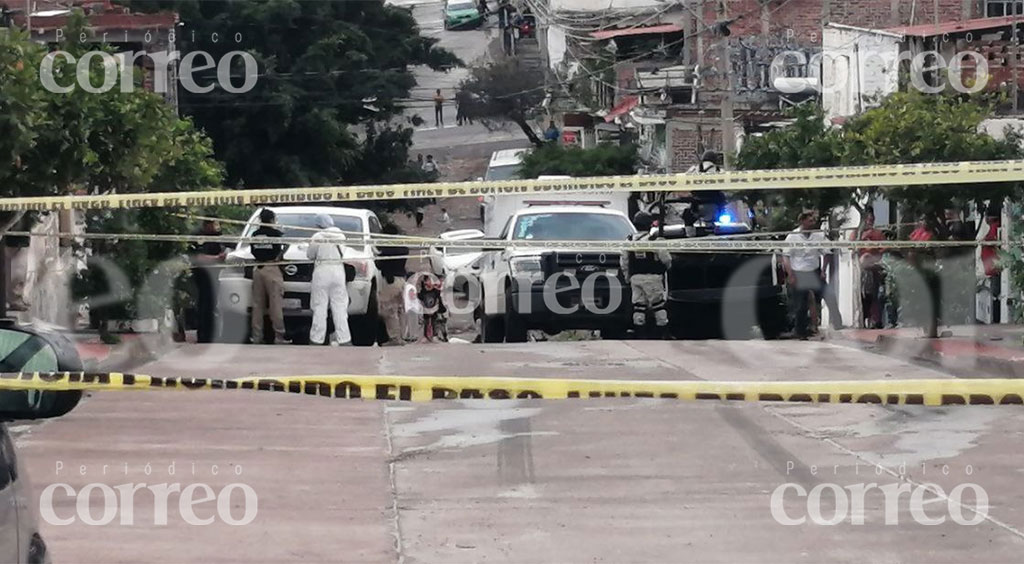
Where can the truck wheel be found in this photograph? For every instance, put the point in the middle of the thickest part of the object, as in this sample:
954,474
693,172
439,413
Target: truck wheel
365,328
773,321
234,328
616,334
491,328
515,327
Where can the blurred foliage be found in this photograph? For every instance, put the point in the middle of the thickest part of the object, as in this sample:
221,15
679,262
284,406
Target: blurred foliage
908,127
603,160
504,91
114,141
332,79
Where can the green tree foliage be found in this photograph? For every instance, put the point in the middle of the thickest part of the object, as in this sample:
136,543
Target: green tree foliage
332,76
603,160
504,91
908,127
59,143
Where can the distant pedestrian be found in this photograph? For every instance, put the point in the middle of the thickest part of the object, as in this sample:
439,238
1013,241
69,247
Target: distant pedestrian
430,166
419,216
445,218
872,275
804,274
267,281
419,160
923,260
551,133
391,264
204,255
438,108
990,260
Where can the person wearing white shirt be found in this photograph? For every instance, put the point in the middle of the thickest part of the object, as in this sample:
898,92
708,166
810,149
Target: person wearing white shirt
804,273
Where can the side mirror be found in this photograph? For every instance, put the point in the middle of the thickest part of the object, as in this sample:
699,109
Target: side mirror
28,349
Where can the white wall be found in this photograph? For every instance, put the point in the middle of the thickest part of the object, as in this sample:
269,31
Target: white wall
857,64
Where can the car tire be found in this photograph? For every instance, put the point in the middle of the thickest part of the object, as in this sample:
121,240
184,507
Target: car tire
773,319
234,328
492,330
616,334
515,326
365,328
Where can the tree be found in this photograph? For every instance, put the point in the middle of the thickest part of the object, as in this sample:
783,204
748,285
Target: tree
908,127
603,160
505,91
332,76
132,141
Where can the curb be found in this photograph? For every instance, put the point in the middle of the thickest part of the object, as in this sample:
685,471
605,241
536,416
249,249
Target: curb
923,350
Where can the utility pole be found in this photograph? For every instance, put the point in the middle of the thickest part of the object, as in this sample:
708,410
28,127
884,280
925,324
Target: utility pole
1016,58
728,127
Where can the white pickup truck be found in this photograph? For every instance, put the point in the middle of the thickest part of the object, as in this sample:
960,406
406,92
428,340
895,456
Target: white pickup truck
555,289
234,297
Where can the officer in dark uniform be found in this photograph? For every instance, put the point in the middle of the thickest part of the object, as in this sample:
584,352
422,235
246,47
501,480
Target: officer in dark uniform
646,273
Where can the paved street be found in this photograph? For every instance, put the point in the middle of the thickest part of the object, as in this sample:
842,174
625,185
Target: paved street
608,480
452,142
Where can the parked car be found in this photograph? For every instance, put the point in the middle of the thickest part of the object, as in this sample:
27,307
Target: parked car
235,287
461,14
512,309
444,260
28,349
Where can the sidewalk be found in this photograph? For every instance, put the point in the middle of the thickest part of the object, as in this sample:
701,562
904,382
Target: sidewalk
974,351
133,350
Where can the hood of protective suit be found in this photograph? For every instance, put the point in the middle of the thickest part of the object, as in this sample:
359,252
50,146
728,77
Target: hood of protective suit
323,221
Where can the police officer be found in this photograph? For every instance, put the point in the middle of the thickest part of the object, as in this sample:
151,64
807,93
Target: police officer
646,272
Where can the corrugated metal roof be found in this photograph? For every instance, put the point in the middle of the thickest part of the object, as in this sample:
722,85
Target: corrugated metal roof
929,30
610,33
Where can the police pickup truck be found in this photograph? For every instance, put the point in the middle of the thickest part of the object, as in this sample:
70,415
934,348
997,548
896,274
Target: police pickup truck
717,294
555,289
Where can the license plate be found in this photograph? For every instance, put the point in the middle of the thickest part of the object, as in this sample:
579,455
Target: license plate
292,303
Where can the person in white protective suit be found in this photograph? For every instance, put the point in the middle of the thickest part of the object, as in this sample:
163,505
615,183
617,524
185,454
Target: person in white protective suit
326,248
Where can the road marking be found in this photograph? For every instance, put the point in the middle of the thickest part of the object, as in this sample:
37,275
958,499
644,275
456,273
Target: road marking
449,126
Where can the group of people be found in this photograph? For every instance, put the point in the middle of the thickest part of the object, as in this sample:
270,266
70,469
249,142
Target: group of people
809,270
463,101
406,302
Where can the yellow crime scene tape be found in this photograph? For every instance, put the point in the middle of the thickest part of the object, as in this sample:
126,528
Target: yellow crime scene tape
929,392
710,243
782,179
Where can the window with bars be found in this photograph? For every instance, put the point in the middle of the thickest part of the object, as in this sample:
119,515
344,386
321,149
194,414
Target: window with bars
998,8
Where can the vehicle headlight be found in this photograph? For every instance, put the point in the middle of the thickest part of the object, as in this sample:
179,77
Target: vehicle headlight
528,267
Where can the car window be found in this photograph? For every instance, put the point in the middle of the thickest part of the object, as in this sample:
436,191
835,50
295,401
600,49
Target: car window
303,225
24,352
578,226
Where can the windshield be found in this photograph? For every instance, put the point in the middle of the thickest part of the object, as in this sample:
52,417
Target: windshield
461,6
303,226
506,172
576,226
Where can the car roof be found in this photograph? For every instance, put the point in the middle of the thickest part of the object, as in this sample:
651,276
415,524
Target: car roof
507,157
313,210
534,210
460,234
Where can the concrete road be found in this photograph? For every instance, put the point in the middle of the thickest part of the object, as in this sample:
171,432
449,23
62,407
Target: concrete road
531,481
